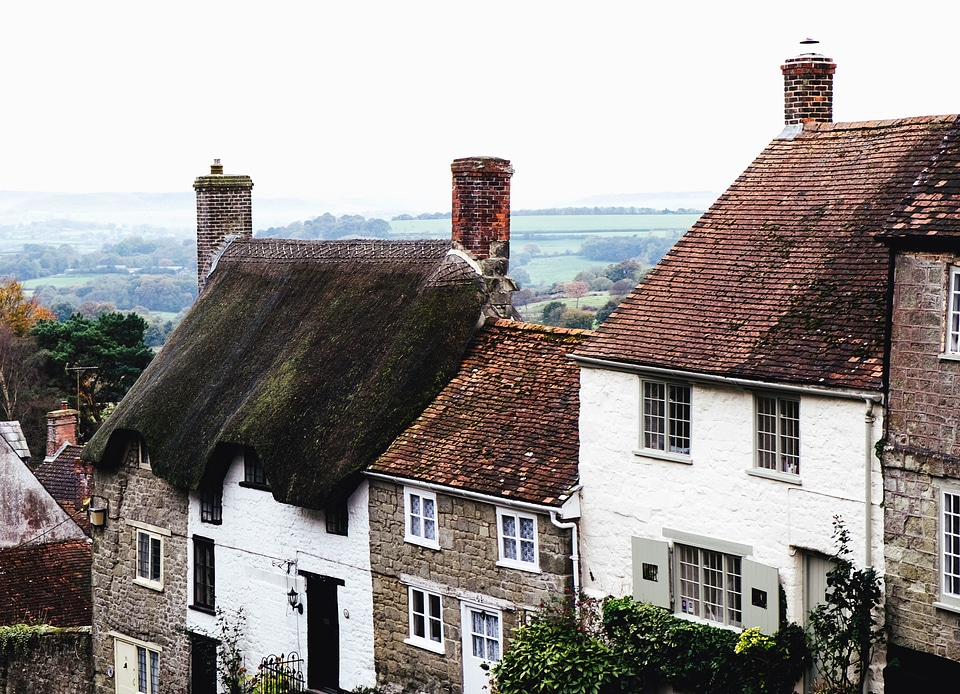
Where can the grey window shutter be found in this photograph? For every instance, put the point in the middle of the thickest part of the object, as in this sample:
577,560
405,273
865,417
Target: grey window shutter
651,571
761,596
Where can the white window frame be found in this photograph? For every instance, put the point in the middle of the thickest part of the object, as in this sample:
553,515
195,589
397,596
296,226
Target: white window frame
698,576
951,333
506,541
416,520
431,615
155,543
667,409
785,436
948,538
657,577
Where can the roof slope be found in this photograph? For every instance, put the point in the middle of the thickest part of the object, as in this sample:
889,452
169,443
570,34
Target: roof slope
68,479
783,280
47,583
506,425
314,354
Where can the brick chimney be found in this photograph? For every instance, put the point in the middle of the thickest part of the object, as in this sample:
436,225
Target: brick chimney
61,428
224,209
481,222
808,89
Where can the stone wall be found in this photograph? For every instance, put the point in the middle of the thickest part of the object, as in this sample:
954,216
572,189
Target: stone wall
466,567
60,664
122,607
922,453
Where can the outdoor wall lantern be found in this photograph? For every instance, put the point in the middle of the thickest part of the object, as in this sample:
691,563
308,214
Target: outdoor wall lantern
97,511
294,599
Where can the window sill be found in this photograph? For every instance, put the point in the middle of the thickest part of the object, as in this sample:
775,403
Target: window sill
255,485
152,585
426,645
522,566
701,620
948,606
663,455
203,608
949,356
420,542
785,477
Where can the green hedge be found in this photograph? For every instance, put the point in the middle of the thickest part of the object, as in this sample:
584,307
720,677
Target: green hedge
636,647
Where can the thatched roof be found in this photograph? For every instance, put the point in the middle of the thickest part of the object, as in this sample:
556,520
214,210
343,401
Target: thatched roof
311,355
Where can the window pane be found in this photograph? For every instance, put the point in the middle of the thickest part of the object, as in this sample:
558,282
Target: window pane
680,419
951,544
415,504
142,669
154,672
526,528
143,555
155,558
654,421
689,559
713,586
435,606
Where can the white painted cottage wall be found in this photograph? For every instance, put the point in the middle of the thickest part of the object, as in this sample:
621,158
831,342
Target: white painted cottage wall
257,538
625,494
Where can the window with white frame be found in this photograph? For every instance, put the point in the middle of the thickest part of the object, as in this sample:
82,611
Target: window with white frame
709,585
421,517
149,546
952,332
517,540
950,547
148,671
778,434
666,417
426,619
706,578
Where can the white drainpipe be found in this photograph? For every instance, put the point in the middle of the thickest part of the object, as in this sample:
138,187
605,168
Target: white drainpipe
575,556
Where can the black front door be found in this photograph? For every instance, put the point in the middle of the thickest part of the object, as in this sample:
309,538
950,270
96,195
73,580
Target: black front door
323,632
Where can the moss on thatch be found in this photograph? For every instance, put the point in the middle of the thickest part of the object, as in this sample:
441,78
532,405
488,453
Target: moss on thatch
315,363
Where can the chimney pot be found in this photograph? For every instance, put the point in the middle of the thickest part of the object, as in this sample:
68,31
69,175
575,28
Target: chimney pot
216,168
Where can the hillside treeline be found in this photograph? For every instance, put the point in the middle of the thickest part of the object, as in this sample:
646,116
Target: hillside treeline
648,248
556,211
327,226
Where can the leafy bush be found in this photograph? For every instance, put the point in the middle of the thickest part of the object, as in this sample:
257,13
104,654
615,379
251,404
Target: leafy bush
638,647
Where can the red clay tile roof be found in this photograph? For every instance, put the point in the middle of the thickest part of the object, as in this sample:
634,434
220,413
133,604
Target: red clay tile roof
506,425
69,480
783,279
47,583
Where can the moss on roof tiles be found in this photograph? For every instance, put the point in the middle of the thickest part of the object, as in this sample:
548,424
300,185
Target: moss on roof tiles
315,358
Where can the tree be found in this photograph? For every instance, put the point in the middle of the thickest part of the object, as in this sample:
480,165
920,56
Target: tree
604,311
98,359
845,627
575,318
576,290
552,313
17,311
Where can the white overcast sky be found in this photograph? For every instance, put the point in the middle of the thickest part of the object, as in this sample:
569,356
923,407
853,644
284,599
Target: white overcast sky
372,99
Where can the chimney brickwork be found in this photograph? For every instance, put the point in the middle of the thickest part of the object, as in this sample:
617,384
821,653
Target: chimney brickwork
481,222
61,428
224,208
808,89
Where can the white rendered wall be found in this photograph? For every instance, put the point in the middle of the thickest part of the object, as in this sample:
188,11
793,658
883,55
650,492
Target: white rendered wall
260,547
625,494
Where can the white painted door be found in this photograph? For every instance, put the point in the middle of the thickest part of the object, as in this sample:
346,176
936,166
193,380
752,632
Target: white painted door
482,630
125,667
815,570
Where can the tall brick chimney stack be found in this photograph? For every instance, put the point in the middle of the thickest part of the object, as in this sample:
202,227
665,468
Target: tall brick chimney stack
224,209
481,222
808,88
61,428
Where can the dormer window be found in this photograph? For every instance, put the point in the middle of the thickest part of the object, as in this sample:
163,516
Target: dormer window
253,474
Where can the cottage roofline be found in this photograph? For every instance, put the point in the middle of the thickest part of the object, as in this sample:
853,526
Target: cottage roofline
698,377
477,496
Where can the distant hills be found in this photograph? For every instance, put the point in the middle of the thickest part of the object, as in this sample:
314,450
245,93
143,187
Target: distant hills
176,212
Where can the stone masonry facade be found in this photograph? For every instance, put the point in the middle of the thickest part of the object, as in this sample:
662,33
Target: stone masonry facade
122,607
466,565
60,663
922,453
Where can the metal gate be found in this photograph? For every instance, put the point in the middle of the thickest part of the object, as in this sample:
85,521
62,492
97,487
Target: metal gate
280,674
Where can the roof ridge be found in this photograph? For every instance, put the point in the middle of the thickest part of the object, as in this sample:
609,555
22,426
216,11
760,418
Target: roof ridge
538,327
811,126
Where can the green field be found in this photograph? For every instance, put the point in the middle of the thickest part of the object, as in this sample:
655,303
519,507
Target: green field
525,227
59,281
